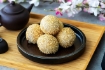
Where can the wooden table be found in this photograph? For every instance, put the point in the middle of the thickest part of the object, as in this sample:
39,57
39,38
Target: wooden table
13,58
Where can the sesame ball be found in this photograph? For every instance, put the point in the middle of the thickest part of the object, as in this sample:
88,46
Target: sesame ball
61,25
50,25
33,32
47,44
66,37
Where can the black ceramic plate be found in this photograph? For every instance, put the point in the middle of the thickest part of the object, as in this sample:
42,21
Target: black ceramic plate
32,52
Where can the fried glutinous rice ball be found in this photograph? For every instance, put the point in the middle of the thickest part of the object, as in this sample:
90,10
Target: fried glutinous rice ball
66,37
33,32
61,25
47,44
50,25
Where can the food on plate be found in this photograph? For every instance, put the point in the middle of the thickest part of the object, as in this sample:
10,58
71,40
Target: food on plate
50,25
49,34
33,32
61,24
66,37
48,44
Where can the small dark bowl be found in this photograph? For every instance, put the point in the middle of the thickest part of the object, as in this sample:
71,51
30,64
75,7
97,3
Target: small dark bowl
32,52
3,46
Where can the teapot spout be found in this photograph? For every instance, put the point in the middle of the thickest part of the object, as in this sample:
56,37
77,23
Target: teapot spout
30,7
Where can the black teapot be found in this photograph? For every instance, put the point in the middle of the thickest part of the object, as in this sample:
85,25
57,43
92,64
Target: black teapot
14,16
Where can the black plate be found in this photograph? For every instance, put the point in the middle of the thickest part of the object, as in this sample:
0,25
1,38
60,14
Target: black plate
32,52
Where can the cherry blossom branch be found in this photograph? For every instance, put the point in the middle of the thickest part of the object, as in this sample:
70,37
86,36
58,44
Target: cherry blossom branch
72,7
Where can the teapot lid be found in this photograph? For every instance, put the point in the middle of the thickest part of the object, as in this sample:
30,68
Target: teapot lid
13,8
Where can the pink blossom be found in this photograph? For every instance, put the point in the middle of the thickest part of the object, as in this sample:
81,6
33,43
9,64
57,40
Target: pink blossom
69,0
85,9
102,5
101,17
61,0
85,2
58,11
1,1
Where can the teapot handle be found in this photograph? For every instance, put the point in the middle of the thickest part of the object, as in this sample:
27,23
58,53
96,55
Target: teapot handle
0,21
0,24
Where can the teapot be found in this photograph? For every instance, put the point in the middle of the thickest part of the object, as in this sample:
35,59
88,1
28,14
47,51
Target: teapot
14,16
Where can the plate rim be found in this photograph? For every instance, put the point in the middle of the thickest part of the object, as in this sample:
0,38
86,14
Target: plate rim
57,57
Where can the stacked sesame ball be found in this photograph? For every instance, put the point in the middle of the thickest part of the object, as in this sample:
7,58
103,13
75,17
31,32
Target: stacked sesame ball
49,34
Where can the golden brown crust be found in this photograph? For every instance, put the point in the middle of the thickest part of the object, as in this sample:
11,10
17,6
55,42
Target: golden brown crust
47,44
66,37
61,25
33,32
50,25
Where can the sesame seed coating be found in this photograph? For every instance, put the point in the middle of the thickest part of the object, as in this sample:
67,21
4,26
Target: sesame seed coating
50,25
66,37
47,44
61,25
33,32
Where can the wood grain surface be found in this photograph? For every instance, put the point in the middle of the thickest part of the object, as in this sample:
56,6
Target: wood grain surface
13,58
